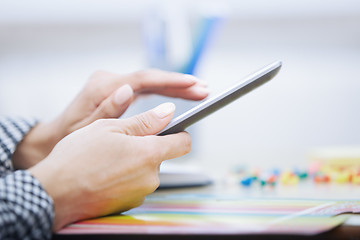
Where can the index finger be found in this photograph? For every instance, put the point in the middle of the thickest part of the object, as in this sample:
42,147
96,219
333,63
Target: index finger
154,78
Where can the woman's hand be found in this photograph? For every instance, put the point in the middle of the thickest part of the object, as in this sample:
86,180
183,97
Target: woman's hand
106,95
108,166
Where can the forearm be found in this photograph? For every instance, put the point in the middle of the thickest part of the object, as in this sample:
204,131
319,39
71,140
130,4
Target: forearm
35,145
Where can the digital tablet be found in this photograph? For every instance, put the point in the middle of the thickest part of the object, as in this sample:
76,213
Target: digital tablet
213,104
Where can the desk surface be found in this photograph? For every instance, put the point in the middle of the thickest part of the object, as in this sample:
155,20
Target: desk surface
305,190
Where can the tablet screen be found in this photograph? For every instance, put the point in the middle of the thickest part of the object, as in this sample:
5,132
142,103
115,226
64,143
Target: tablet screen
213,104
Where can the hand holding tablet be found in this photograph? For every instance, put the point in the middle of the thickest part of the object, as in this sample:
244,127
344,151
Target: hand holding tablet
215,103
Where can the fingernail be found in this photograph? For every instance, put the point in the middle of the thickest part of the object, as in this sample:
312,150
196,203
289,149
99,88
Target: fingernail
202,90
123,94
190,78
164,110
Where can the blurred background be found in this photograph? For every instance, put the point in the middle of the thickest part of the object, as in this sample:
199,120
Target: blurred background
48,49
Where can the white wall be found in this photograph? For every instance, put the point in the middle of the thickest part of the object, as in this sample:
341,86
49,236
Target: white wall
48,49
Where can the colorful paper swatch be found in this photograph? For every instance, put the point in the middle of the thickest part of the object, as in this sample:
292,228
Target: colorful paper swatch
208,214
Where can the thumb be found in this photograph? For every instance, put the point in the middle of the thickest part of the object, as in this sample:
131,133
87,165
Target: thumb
150,122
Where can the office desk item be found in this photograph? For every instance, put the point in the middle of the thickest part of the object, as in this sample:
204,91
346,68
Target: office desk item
204,35
323,174
228,209
202,214
177,37
180,179
346,156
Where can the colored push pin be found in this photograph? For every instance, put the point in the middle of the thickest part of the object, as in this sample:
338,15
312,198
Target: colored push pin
342,177
276,172
255,173
247,181
314,168
271,180
293,180
302,175
262,182
267,179
285,177
288,178
320,178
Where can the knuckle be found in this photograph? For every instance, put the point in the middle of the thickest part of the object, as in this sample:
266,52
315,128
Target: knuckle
96,77
107,110
100,123
147,73
127,131
143,122
141,74
95,82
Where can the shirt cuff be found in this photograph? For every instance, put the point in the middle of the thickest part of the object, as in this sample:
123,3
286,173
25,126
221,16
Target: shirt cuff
26,210
12,131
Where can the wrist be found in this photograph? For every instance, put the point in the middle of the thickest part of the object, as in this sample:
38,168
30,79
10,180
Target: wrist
62,190
35,145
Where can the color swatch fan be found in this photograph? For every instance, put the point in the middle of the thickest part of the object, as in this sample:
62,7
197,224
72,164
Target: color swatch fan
208,214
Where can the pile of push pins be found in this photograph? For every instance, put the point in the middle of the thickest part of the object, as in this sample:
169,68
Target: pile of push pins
319,174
